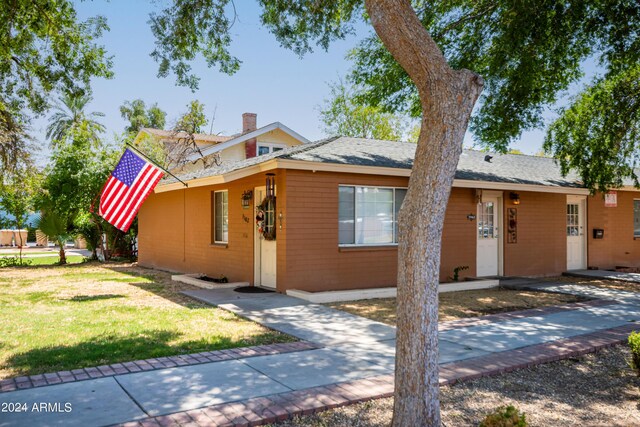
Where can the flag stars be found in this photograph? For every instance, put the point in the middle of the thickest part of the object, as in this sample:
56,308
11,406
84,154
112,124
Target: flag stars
128,168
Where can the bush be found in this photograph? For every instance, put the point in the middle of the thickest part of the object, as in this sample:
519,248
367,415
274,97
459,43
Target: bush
13,261
505,416
634,346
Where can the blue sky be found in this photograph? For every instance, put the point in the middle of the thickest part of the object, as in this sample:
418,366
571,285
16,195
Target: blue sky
272,82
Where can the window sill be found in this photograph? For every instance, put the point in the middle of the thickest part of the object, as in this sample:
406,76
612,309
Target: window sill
364,248
219,245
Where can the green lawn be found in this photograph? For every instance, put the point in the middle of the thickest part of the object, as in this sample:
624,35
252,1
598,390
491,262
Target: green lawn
50,260
24,253
59,318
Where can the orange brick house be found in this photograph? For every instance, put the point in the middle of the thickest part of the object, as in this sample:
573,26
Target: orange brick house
332,222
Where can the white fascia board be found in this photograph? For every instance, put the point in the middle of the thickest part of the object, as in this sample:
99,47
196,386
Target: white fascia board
366,170
253,134
489,185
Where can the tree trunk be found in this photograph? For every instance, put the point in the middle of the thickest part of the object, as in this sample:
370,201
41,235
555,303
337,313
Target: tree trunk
63,255
447,97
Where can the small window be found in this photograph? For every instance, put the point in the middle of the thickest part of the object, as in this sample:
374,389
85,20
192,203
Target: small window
368,215
636,218
221,217
268,148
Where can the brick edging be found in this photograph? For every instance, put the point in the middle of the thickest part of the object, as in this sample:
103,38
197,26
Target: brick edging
39,380
526,357
279,407
511,315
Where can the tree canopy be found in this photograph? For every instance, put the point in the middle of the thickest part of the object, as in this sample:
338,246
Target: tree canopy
528,53
598,135
342,115
139,116
69,114
44,50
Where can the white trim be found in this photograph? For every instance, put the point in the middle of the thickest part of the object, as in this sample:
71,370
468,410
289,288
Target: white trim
583,214
394,236
192,279
214,217
277,163
499,211
244,137
270,146
391,292
465,183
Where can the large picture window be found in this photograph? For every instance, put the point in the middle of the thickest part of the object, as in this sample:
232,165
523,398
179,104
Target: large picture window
368,215
221,217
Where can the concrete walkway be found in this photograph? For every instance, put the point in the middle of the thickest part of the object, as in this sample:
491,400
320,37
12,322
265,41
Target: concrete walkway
354,348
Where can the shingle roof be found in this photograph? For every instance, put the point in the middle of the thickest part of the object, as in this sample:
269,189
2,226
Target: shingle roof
506,168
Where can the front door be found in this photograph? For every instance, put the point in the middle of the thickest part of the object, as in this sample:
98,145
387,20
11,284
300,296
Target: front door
265,251
488,249
576,242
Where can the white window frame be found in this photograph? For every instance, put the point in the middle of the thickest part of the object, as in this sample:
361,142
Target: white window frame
634,218
270,146
355,213
220,242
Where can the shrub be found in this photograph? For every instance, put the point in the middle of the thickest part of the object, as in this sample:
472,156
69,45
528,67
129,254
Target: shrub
13,261
634,346
457,270
505,416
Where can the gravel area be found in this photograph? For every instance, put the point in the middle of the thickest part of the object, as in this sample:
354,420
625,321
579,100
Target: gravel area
595,390
462,304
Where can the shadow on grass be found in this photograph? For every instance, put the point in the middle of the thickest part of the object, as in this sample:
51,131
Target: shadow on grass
84,298
108,349
168,289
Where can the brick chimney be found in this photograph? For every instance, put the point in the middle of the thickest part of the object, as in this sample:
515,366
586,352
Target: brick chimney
249,124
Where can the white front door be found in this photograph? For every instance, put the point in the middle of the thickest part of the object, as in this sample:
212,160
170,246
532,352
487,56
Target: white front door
265,251
576,242
488,250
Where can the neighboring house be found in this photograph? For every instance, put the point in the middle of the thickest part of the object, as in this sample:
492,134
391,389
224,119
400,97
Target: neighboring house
251,142
335,218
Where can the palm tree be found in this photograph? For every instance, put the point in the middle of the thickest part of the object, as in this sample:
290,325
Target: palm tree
54,226
69,114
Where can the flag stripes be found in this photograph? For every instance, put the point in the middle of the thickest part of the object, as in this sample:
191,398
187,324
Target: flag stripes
119,202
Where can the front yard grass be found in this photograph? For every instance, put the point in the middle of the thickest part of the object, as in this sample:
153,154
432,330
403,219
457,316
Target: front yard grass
60,318
462,304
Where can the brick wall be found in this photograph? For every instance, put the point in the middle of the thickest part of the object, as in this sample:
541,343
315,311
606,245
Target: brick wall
161,236
618,247
541,248
309,257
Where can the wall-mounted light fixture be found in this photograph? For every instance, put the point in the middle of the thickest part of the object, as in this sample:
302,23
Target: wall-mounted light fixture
247,195
515,198
471,217
280,218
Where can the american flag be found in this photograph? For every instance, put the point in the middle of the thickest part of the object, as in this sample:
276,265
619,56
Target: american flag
129,185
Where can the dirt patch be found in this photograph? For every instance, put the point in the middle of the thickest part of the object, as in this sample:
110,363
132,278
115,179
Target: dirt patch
596,390
463,304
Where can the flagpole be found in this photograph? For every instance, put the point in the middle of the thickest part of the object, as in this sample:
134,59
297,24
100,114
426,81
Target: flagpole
155,164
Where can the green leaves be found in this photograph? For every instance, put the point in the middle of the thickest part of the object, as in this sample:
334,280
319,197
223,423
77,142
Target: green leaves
138,116
190,27
299,24
43,50
599,134
342,115
527,52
